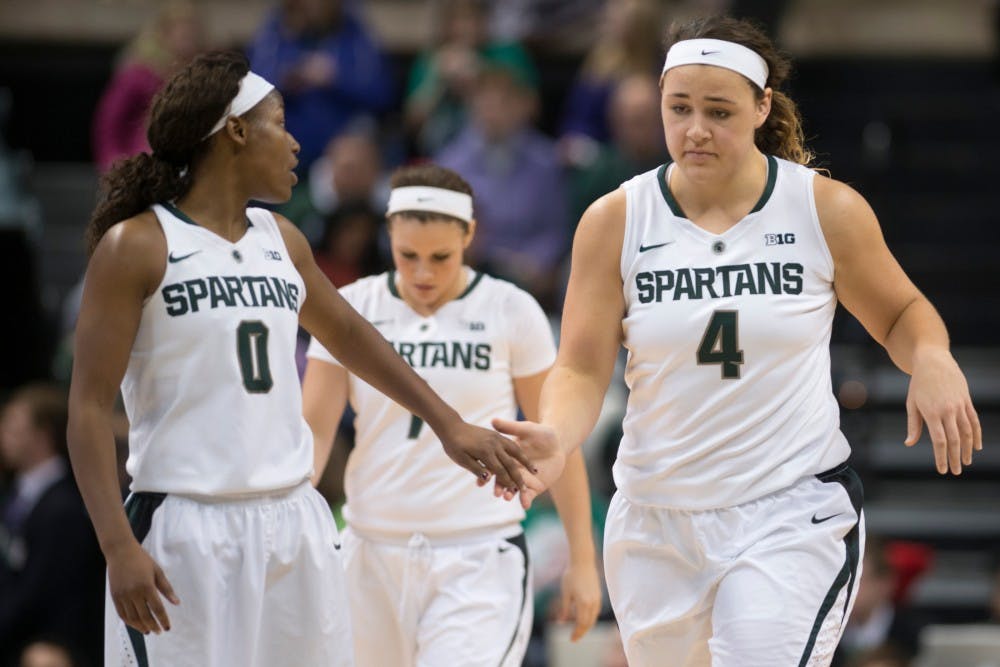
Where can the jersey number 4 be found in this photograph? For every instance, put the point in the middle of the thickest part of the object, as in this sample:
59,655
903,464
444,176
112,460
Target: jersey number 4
720,344
251,349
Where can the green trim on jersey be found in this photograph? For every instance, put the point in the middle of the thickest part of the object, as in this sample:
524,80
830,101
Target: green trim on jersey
772,177
675,208
393,290
471,286
179,214
183,217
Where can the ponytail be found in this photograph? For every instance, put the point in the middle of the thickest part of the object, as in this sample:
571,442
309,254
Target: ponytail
132,186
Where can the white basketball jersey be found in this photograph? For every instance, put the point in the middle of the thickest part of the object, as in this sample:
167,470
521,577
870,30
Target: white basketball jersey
398,478
211,391
728,347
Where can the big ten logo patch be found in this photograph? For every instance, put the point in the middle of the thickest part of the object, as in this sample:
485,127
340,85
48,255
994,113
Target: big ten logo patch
779,239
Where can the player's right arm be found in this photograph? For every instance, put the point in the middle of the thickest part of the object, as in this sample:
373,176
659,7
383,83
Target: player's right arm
125,268
591,333
324,396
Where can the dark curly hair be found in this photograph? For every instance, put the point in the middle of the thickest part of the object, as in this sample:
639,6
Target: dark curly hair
781,134
182,113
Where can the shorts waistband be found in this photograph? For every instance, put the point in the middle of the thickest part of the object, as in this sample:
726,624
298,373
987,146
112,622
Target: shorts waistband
249,499
501,532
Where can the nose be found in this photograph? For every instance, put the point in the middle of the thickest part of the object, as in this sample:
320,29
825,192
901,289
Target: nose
295,144
423,271
698,132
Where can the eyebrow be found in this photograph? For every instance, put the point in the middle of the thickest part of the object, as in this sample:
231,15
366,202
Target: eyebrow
710,98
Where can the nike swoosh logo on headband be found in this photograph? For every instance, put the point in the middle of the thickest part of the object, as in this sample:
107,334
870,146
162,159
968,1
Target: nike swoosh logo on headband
707,53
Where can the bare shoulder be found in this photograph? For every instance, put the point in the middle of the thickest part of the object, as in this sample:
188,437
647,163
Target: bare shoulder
840,207
602,226
135,250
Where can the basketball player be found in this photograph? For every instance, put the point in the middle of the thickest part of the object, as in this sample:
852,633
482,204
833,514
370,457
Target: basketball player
736,532
191,303
437,570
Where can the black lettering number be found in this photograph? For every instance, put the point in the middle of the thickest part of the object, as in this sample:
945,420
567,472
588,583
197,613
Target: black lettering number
720,344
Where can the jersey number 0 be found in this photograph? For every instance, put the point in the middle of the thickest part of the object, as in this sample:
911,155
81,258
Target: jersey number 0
251,349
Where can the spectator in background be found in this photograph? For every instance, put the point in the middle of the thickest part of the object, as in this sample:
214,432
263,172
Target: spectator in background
636,144
442,78
348,249
326,66
173,36
51,571
521,199
47,653
350,170
878,625
628,44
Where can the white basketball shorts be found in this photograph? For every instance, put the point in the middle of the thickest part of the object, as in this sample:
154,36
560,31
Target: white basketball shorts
769,583
426,602
260,583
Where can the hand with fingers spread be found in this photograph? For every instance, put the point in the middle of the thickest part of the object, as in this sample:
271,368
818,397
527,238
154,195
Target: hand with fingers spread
939,397
539,443
485,453
137,583
580,598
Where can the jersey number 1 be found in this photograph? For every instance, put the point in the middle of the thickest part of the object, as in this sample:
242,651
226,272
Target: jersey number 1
720,344
251,348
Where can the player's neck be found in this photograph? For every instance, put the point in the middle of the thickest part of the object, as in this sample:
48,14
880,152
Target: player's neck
216,212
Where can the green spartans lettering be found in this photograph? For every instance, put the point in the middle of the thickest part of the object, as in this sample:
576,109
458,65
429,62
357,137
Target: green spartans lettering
719,281
190,296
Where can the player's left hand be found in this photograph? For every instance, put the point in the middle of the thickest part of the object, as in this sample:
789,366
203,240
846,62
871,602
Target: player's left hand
580,599
939,397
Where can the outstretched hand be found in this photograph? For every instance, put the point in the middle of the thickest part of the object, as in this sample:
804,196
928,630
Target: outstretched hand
939,397
485,453
539,443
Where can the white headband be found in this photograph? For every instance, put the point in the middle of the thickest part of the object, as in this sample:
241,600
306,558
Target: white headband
433,200
253,88
720,53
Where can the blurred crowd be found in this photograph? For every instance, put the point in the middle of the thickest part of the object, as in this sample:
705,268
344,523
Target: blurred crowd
471,101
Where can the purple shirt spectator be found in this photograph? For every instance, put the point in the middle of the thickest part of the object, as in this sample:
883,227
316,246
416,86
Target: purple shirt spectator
520,201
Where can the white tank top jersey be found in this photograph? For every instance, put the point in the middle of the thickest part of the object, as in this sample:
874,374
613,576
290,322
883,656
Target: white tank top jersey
399,479
728,347
211,391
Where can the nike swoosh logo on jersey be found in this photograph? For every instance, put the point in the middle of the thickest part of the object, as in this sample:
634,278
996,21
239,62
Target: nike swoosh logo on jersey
505,548
644,248
378,323
826,518
173,260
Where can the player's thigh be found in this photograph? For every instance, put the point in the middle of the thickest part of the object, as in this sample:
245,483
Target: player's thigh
374,585
660,584
481,612
305,615
206,564
785,600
